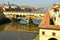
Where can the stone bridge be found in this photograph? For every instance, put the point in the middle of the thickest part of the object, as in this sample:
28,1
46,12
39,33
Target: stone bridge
24,15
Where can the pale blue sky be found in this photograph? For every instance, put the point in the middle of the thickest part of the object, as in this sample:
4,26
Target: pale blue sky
34,3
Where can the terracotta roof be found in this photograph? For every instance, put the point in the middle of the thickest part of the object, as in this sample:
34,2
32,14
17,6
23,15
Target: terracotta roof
45,20
45,23
50,27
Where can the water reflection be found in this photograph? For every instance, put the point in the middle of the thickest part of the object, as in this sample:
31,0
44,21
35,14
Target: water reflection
18,31
17,26
24,21
36,21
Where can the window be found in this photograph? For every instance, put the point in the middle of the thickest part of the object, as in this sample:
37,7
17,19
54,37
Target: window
43,33
20,15
17,15
56,10
53,34
54,18
23,15
59,15
51,21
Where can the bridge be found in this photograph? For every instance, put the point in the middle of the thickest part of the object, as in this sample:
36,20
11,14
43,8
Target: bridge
23,15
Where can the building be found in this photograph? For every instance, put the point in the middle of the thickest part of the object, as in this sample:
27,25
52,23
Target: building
55,13
10,7
1,8
48,31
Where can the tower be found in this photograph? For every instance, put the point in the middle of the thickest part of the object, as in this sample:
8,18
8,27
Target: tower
55,13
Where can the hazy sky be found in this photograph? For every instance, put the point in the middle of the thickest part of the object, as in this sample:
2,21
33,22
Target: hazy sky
34,3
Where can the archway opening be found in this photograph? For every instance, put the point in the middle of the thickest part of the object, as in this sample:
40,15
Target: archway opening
52,39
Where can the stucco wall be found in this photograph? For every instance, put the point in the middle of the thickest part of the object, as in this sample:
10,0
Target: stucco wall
48,34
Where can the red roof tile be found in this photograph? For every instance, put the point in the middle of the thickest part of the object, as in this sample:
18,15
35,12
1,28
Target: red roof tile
45,23
45,20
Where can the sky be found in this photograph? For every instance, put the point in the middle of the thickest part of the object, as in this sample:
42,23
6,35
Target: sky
33,3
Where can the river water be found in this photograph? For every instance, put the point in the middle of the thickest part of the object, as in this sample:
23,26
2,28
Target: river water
9,35
18,31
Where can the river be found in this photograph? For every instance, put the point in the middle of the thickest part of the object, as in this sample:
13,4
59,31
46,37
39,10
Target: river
18,31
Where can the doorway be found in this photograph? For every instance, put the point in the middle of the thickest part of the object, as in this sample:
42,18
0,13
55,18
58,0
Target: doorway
52,39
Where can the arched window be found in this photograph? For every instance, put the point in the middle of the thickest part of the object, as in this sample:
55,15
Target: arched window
17,15
23,15
20,15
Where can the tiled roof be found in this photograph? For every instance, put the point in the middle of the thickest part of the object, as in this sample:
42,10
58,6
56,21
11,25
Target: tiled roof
45,23
50,27
45,20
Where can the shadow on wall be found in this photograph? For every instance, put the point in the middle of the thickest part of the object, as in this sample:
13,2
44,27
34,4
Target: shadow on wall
51,21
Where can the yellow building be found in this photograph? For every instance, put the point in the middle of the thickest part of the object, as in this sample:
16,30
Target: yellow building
55,13
47,31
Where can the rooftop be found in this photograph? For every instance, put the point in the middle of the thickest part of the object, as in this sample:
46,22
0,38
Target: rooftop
45,23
